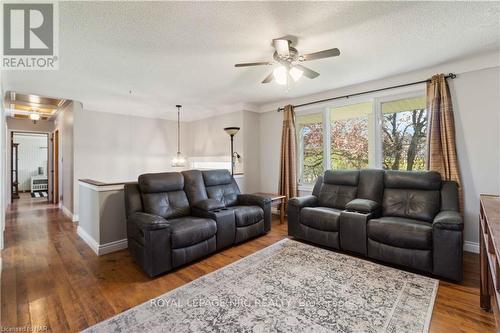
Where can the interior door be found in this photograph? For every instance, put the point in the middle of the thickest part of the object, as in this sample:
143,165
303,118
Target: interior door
14,181
55,167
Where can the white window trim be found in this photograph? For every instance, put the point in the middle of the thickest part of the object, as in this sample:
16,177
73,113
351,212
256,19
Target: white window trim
376,99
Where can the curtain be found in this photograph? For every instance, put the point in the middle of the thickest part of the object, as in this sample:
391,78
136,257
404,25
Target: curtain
442,152
288,156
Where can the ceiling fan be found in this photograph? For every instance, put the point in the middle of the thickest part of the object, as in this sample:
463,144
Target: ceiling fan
289,60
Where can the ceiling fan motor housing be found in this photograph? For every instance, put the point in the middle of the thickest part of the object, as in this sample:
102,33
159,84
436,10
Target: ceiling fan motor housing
289,59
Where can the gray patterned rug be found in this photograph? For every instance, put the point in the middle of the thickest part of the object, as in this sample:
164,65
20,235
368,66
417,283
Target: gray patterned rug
289,287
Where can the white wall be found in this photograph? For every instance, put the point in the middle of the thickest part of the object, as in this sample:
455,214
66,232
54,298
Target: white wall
251,151
476,98
32,154
112,147
65,124
26,125
4,189
207,138
476,101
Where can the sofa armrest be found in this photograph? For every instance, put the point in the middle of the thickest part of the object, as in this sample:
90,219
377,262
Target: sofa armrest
448,220
146,221
262,202
149,242
362,206
305,201
208,204
253,200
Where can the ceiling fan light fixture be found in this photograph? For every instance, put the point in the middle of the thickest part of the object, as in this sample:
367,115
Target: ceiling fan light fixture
296,73
34,116
280,75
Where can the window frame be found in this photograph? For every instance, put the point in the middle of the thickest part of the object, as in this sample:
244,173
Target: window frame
300,144
376,99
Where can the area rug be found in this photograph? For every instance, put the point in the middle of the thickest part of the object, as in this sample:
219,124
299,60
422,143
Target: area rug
39,194
289,287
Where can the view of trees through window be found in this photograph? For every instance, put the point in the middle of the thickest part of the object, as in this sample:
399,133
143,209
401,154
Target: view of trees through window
311,141
354,141
349,136
404,137
350,143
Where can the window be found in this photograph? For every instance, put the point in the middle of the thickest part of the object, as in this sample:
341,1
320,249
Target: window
404,132
349,127
388,132
310,139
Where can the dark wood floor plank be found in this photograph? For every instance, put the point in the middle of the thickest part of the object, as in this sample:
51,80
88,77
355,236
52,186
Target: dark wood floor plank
51,277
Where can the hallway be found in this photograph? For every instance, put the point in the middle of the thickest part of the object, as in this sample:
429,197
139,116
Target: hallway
51,278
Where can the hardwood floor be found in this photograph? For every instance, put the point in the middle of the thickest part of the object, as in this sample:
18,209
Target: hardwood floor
51,278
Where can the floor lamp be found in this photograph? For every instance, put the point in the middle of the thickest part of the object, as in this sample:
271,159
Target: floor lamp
232,132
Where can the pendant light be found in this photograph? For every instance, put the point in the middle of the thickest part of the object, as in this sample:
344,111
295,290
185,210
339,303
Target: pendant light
179,160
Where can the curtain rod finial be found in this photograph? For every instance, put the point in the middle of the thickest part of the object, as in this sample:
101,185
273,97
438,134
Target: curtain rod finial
452,76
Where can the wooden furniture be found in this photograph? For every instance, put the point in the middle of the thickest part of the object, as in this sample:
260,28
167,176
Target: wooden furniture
489,237
276,199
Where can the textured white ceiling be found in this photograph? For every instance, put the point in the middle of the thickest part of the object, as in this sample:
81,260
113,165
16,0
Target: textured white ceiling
143,58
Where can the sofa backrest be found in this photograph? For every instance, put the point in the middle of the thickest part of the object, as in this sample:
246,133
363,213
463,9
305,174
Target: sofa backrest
412,194
133,201
371,184
338,188
194,186
163,194
220,185
449,196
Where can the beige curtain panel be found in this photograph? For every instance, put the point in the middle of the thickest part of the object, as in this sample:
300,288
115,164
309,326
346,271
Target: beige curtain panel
288,156
442,152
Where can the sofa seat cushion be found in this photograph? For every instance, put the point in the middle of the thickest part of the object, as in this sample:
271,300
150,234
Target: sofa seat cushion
189,230
401,232
320,218
247,215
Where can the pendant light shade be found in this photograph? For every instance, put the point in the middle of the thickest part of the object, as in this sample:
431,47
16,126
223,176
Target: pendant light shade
179,160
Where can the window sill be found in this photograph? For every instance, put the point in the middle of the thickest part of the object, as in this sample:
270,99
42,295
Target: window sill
305,187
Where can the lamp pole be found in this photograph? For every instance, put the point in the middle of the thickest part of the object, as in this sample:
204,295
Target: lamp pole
232,155
232,132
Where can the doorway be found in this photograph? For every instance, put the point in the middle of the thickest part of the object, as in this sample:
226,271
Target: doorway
29,166
55,167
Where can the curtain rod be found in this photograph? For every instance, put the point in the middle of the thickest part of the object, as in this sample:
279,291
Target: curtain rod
449,76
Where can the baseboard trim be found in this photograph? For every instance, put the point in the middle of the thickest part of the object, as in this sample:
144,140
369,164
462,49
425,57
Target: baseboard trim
88,239
112,247
471,247
68,213
101,249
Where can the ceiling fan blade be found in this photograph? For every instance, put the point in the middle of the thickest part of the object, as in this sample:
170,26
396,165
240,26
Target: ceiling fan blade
282,46
308,72
322,54
247,64
268,78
